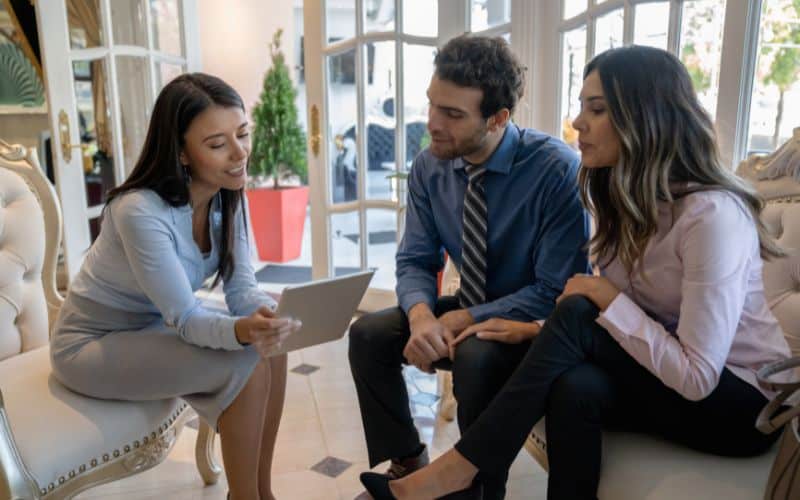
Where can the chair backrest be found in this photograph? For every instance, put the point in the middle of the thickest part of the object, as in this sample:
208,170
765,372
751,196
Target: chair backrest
781,215
30,236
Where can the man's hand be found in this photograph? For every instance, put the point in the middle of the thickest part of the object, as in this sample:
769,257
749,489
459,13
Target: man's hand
429,340
456,321
500,330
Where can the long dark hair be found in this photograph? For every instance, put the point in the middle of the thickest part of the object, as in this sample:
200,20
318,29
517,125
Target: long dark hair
159,167
666,139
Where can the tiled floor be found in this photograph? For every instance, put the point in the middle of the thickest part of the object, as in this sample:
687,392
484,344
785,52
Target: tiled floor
320,435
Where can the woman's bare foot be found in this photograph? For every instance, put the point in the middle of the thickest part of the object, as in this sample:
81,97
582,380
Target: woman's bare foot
449,473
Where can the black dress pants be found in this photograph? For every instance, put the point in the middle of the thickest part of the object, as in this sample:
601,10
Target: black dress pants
376,357
582,380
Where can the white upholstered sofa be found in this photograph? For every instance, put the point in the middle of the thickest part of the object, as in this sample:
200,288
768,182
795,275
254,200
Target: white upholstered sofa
640,467
55,443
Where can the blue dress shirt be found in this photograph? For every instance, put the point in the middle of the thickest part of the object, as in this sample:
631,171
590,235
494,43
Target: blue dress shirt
537,227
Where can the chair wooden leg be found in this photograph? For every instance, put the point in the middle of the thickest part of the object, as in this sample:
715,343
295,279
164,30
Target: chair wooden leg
447,403
204,454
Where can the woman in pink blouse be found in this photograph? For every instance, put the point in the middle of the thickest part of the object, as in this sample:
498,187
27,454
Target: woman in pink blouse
668,339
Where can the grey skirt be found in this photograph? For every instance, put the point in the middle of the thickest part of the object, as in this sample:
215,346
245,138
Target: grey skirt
107,353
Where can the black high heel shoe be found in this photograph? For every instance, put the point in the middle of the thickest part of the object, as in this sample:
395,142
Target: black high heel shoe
377,485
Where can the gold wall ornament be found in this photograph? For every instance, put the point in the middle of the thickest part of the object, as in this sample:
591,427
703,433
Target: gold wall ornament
316,136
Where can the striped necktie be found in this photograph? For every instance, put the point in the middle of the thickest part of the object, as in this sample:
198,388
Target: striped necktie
473,246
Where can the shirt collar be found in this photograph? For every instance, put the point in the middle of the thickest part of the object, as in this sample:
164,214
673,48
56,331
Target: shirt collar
503,157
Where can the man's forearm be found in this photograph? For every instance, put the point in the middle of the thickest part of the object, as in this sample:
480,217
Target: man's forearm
419,311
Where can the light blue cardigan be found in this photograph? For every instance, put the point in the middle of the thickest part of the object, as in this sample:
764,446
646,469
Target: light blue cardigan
145,260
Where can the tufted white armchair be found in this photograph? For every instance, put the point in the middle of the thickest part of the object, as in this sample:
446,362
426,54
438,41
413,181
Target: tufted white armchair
641,467
55,443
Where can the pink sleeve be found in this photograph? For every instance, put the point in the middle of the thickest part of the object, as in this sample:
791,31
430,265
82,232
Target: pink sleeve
713,291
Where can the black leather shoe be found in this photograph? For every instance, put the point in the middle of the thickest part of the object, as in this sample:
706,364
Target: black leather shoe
474,492
377,485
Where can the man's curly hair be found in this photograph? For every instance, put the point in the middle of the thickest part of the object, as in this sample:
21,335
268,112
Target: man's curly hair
486,63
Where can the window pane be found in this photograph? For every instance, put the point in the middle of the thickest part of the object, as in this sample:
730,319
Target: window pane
379,91
83,18
345,249
342,126
382,247
651,24
776,92
608,31
379,15
421,17
133,78
340,19
701,47
488,13
573,59
128,22
417,74
94,121
166,26
573,7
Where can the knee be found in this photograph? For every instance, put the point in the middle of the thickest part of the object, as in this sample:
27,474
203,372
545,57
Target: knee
366,338
577,393
476,355
572,311
575,306
476,361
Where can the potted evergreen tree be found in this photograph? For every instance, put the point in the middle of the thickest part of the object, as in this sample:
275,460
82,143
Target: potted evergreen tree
278,157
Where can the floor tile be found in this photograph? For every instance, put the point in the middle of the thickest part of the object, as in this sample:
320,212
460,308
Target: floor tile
331,466
304,369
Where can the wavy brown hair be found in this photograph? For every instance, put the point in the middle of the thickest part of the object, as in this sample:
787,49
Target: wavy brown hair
666,140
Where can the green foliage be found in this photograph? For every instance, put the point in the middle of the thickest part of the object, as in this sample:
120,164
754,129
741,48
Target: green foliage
785,68
279,144
19,82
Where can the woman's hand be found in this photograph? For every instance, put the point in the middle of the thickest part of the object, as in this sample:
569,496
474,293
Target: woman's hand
264,331
598,289
501,330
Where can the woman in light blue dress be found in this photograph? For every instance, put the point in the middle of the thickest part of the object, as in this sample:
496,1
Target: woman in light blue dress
131,327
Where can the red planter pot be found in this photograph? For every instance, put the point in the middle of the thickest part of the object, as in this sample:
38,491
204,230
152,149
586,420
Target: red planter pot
278,217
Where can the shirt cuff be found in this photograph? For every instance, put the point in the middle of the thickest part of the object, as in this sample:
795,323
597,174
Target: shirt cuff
411,299
623,318
230,342
482,312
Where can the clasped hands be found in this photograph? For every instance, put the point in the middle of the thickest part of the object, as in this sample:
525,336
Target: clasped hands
435,338
264,330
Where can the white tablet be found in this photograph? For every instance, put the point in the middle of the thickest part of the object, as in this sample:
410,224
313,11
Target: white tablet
325,307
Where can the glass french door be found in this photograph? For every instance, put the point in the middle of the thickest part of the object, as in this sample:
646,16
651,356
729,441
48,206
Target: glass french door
104,63
367,68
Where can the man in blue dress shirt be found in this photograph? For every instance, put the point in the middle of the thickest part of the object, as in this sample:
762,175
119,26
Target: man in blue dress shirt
503,202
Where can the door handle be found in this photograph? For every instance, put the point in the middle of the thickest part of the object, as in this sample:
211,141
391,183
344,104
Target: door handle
64,137
315,138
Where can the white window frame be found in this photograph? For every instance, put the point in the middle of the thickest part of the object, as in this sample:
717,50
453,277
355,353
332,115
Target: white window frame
737,61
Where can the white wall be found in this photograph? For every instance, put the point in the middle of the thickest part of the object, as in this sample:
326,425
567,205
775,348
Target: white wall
235,37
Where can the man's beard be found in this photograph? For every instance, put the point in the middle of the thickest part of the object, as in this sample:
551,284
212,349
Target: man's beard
469,146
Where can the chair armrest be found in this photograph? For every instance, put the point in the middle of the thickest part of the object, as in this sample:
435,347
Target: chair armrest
15,480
